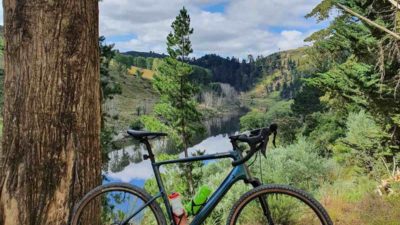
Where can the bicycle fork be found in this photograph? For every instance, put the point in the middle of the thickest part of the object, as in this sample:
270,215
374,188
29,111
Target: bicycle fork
264,203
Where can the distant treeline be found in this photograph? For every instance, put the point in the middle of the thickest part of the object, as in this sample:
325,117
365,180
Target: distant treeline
241,74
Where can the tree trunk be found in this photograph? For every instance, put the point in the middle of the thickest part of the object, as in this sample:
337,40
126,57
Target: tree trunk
51,136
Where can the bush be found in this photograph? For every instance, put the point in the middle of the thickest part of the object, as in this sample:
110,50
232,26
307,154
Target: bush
256,119
362,145
298,165
252,120
323,129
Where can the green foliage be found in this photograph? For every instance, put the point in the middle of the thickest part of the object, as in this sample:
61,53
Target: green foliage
239,74
153,124
178,41
109,88
321,11
307,101
200,75
173,176
353,81
252,120
280,113
126,60
108,85
362,146
257,119
298,164
323,129
358,64
177,107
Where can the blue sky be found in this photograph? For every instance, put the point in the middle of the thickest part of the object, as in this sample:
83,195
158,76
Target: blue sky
215,8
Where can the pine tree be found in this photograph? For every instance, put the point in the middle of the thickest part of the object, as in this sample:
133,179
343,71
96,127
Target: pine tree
178,41
177,108
357,63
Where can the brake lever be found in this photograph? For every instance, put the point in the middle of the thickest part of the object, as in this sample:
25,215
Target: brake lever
273,128
264,147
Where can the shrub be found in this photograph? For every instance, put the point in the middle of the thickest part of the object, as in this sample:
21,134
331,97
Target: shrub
362,145
299,165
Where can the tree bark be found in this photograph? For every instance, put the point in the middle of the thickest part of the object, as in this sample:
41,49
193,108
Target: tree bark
51,136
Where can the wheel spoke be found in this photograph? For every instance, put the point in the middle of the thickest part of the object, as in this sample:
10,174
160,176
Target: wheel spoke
273,206
115,206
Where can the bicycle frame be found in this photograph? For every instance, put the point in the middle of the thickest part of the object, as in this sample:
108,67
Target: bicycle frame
239,172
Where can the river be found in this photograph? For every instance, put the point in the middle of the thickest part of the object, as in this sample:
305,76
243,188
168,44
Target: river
126,165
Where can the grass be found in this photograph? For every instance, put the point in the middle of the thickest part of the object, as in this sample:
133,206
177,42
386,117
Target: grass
353,200
147,74
137,93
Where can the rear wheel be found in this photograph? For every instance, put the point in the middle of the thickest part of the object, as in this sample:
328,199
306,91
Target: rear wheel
113,203
278,205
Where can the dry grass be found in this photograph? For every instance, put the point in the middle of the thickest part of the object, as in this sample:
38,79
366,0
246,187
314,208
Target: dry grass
359,205
136,93
147,74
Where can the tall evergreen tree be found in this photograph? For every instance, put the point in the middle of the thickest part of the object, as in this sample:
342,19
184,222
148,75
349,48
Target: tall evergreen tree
178,41
177,108
358,63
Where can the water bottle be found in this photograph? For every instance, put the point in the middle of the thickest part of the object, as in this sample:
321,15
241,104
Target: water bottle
198,201
180,216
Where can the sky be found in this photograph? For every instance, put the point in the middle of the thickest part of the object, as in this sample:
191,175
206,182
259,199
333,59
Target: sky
225,27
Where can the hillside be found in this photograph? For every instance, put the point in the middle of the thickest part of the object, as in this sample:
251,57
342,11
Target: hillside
144,54
137,97
144,73
274,82
280,79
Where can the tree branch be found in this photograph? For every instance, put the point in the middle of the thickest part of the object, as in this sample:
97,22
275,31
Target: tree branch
395,3
372,23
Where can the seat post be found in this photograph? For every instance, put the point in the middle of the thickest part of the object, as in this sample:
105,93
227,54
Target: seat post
145,141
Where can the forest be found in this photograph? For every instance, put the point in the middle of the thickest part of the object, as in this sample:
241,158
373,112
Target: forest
336,103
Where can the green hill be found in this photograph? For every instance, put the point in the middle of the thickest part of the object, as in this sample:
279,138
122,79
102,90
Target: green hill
279,81
137,97
144,54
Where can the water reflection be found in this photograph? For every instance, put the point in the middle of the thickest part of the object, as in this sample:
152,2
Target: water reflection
126,164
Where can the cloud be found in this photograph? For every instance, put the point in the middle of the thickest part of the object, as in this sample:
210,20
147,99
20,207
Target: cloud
243,26
291,39
1,16
237,28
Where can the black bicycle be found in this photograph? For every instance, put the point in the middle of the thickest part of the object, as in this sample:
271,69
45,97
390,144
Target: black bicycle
125,204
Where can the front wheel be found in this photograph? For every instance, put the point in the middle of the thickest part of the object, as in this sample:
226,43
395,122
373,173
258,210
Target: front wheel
278,205
112,204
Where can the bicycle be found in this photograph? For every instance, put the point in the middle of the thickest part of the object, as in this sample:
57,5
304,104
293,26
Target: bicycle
265,204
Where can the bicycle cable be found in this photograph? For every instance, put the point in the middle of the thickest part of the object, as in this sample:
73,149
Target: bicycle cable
261,175
250,164
260,165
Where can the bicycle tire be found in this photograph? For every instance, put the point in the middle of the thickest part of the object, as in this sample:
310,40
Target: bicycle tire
131,189
300,195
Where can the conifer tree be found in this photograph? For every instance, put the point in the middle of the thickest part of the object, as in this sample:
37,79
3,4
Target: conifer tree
357,62
177,108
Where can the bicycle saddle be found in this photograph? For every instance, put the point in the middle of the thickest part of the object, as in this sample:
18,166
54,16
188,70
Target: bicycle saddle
141,134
